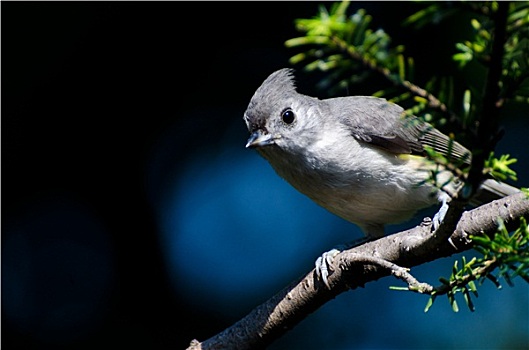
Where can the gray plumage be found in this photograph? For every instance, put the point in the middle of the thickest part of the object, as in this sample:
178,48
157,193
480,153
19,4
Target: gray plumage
355,156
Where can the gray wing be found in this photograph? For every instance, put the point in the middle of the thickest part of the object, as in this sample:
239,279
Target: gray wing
383,124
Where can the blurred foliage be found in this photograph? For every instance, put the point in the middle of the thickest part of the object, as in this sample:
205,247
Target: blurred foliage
515,60
350,51
499,167
344,45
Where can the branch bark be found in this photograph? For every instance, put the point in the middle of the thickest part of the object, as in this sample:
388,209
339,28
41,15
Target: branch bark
351,269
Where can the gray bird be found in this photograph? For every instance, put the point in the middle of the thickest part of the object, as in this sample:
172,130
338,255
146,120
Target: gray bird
360,157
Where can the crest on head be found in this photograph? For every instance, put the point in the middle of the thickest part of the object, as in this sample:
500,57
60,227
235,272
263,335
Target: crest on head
277,83
282,79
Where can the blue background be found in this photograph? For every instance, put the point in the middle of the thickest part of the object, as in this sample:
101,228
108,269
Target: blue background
132,214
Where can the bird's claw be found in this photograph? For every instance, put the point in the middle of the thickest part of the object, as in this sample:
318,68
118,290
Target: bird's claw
323,265
440,215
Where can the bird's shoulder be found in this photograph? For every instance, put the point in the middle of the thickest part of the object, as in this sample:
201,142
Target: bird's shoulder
378,122
386,125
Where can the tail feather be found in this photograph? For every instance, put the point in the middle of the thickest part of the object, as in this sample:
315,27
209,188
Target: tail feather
491,190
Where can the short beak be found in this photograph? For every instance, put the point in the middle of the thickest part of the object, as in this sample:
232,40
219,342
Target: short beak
259,139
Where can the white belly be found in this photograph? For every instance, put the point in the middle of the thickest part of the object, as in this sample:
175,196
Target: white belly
379,190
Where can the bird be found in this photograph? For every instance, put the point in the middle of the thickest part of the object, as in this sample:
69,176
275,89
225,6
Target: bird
362,158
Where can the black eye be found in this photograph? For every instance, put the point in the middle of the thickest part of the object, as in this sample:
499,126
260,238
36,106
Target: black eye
288,116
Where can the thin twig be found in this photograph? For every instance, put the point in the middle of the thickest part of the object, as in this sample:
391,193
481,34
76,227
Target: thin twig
433,102
397,271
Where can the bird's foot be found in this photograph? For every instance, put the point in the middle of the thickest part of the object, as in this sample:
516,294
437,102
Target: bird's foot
440,215
324,262
323,265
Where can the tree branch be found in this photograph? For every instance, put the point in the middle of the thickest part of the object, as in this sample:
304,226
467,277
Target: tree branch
357,266
487,124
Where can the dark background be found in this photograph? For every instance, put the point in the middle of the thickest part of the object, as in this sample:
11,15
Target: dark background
123,149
